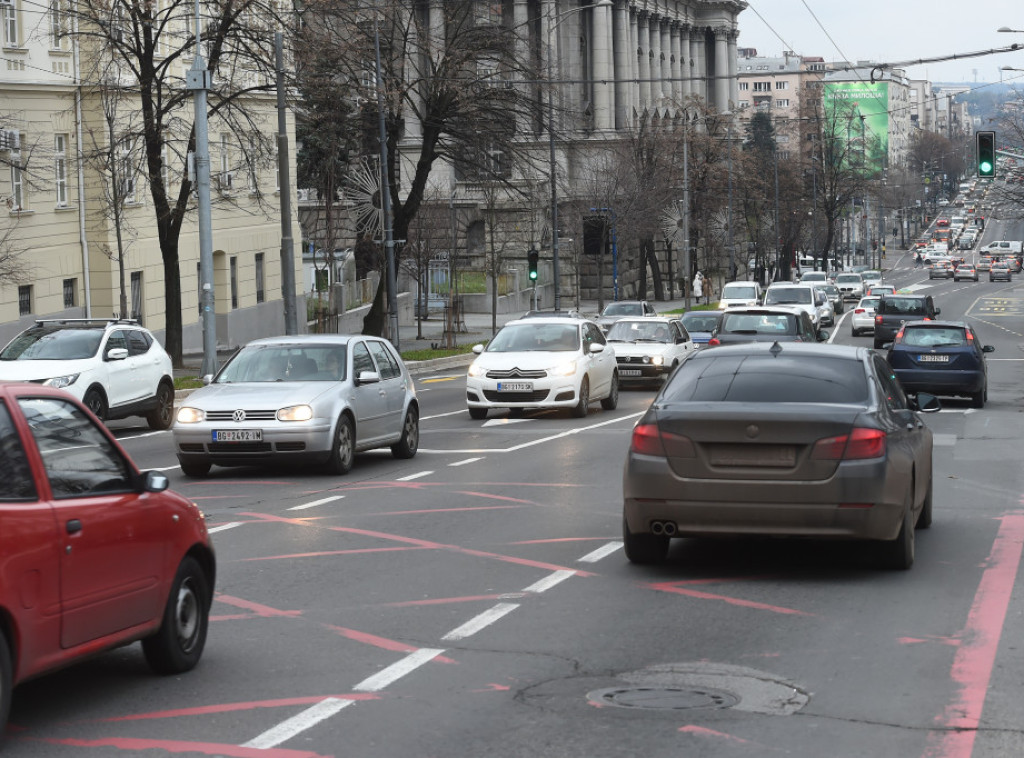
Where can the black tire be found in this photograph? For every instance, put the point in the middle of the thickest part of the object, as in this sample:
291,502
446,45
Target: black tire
978,399
924,518
195,469
178,645
6,683
898,554
878,344
583,406
478,414
343,451
644,548
611,402
854,332
410,442
162,417
95,401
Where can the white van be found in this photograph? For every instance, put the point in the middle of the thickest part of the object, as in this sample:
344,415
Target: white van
740,293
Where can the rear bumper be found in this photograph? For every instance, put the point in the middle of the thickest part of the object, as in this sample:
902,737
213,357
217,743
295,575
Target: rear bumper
941,381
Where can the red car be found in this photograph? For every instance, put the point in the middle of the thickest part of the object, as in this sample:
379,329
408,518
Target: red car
942,222
94,554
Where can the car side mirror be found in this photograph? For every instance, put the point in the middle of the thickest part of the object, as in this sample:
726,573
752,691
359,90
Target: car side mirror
596,347
823,335
477,349
368,377
988,349
886,345
207,379
154,481
938,311
926,403
117,354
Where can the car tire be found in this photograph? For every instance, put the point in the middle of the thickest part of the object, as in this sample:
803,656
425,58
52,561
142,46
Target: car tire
644,548
924,518
343,449
583,406
178,645
195,469
6,683
878,344
96,402
978,398
162,417
410,442
898,554
854,332
478,414
611,402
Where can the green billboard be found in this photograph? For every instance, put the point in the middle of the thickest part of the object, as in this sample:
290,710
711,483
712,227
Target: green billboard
859,115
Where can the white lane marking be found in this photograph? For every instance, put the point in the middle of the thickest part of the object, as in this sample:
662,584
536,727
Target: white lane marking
463,463
442,415
600,553
479,622
315,503
835,327
164,468
396,671
298,723
146,434
540,441
916,287
944,440
550,581
1004,359
414,476
501,421
222,527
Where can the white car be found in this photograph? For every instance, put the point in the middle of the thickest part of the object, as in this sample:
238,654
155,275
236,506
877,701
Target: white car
648,349
543,363
815,277
851,285
862,318
740,293
114,366
807,297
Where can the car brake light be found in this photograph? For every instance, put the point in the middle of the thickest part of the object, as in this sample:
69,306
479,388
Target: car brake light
899,336
714,341
858,310
878,319
648,439
970,337
859,444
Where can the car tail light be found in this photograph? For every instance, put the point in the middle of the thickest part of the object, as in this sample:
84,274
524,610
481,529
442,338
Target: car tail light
858,310
714,341
899,337
859,444
648,439
970,337
878,319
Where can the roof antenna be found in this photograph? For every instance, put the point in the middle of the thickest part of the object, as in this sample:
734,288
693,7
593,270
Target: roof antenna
775,349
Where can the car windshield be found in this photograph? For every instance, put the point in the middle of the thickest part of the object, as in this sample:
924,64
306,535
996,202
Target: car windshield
869,302
767,378
739,291
934,337
623,309
516,338
629,330
782,295
285,363
49,344
699,322
848,278
760,323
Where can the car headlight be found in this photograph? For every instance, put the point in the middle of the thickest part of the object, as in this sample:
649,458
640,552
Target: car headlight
187,415
564,369
476,370
295,413
61,381
658,360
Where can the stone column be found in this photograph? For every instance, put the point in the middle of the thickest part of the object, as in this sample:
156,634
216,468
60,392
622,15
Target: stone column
549,59
734,85
643,48
655,60
666,61
721,72
437,30
414,76
520,20
604,86
700,67
685,60
634,64
623,96
677,66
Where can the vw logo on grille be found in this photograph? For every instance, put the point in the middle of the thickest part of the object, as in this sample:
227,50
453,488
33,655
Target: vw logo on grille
238,416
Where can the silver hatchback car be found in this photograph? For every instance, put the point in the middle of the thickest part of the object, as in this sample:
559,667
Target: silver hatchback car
307,399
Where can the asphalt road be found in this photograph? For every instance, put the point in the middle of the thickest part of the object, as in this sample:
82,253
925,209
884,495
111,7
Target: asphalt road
475,601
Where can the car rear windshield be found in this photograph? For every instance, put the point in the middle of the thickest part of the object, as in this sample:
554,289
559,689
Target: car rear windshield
911,306
760,323
698,322
624,309
764,378
944,336
739,290
783,295
45,344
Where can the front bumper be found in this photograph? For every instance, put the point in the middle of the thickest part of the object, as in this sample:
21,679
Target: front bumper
298,443
547,392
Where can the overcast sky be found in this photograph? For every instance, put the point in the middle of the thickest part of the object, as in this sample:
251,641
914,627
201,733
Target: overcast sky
892,31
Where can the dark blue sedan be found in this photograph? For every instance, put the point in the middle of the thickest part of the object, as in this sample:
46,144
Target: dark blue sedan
702,325
942,358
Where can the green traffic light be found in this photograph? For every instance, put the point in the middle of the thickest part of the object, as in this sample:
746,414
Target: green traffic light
985,167
533,275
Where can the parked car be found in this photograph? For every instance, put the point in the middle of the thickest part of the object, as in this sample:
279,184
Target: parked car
543,363
862,319
941,358
851,285
811,441
701,325
965,271
894,311
622,308
1000,270
97,554
302,399
648,348
115,366
767,323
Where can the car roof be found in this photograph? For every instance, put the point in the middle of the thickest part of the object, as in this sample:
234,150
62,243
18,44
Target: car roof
650,319
310,339
767,309
939,324
801,348
551,320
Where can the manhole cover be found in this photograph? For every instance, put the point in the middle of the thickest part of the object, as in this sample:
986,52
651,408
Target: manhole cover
663,698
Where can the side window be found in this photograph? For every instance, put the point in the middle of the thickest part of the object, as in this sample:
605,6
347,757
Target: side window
79,458
116,339
592,333
16,481
361,360
137,342
678,332
386,364
895,399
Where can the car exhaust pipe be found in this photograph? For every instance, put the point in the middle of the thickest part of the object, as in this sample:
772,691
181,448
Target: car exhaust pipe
669,528
657,527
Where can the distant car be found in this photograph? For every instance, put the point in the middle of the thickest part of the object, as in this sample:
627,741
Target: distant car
543,363
1000,270
115,366
740,293
814,277
940,270
941,358
834,296
97,554
621,308
781,440
965,271
701,325
880,290
851,285
871,276
862,319
767,324
942,221
648,348
803,296
548,314
301,399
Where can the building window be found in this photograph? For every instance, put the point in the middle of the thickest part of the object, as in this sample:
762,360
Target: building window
782,85
60,168
58,25
762,86
25,300
137,296
70,292
224,178
9,19
126,172
233,266
782,103
259,278
199,287
17,200
744,86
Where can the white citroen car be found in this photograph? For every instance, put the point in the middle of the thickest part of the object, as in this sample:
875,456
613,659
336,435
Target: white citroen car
554,362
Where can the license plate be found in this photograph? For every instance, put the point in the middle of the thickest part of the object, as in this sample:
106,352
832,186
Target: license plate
630,371
774,456
238,435
933,359
515,387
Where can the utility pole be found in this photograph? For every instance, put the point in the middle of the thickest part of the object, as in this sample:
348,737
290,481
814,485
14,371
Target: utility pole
291,325
687,265
385,191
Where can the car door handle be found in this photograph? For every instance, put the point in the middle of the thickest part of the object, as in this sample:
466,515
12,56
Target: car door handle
74,526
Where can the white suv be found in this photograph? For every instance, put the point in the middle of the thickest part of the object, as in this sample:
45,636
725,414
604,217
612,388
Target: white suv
115,367
803,296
